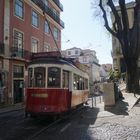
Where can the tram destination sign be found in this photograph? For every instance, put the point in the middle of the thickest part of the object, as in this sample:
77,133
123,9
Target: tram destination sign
46,54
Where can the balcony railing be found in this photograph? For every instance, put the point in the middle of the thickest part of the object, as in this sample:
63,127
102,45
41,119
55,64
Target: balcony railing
57,2
20,53
2,50
49,11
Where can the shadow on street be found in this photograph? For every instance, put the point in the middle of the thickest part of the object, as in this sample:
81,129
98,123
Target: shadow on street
121,108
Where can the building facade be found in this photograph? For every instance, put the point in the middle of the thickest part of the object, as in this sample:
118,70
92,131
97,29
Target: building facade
26,27
87,57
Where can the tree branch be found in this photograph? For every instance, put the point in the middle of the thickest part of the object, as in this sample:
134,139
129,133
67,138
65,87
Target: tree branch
114,26
116,15
105,19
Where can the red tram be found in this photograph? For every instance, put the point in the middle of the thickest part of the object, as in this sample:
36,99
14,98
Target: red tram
55,85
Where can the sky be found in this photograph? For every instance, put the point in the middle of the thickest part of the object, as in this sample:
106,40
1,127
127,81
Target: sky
83,30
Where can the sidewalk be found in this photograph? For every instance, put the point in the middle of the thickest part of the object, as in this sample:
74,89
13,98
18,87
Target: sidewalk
122,106
6,109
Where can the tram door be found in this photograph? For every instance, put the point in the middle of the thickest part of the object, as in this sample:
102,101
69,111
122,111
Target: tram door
18,91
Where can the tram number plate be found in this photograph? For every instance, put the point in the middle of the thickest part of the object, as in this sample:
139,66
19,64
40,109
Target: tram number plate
44,95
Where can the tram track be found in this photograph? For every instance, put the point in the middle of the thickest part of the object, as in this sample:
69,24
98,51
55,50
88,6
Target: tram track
38,133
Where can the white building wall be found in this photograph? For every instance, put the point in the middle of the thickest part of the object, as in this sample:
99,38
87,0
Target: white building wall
89,58
96,72
74,52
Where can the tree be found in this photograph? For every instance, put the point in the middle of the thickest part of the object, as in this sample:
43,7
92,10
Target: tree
129,38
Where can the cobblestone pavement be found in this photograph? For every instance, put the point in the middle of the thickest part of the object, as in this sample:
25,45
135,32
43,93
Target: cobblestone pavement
121,123
109,131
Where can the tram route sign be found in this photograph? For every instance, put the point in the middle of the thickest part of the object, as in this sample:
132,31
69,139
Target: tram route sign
46,54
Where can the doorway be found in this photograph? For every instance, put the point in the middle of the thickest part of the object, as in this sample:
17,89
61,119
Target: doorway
18,91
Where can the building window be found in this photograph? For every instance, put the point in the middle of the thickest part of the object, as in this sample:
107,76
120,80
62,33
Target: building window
84,59
35,19
34,45
18,44
46,48
69,52
76,51
19,8
55,15
47,27
56,33
18,71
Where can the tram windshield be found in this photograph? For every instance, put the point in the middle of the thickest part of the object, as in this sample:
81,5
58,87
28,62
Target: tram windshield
30,77
38,79
53,77
65,79
39,74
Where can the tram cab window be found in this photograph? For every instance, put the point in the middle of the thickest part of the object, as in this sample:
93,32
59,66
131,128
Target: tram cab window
65,79
53,77
39,76
75,82
30,78
86,83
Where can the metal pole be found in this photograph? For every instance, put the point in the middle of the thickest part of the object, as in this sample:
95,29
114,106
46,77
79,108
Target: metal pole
95,100
92,101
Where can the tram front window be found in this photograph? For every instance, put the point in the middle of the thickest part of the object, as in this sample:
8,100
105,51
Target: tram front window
30,78
53,77
65,79
39,76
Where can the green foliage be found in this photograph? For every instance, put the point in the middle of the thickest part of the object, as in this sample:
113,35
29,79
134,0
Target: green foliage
114,75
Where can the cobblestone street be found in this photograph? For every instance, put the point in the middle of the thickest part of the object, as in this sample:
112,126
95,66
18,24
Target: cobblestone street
113,131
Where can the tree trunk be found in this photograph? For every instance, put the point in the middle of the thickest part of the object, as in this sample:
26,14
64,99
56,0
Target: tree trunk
132,80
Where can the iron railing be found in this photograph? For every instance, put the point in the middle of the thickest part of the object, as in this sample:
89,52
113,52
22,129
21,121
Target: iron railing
57,2
49,11
20,53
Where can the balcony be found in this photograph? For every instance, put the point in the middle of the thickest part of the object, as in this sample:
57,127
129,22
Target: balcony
49,12
2,50
20,53
57,2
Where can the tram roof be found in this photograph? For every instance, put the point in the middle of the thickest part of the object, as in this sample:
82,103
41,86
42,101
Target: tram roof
52,58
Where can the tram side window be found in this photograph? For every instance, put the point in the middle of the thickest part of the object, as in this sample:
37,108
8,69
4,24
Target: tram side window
30,78
86,83
53,77
75,82
39,74
65,79
79,83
